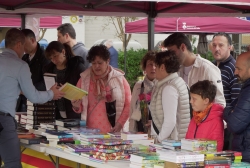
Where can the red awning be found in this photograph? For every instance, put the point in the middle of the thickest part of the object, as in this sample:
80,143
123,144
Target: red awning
45,22
191,25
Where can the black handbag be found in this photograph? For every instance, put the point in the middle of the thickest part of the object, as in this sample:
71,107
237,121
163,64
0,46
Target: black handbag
111,112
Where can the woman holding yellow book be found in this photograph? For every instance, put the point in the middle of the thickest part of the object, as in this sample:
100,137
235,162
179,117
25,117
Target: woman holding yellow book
67,68
108,102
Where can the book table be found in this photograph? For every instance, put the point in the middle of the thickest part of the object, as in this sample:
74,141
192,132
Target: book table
81,160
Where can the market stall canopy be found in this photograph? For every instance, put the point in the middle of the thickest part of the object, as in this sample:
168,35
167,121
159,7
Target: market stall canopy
136,8
191,25
45,22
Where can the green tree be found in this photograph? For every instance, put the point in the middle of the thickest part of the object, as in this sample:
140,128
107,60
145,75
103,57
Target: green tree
133,69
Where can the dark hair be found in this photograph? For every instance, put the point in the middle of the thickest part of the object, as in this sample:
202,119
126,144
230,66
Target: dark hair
205,88
169,59
229,40
56,46
13,36
28,33
100,51
67,28
177,39
150,55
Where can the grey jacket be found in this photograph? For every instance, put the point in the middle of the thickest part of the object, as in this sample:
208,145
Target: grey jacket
80,50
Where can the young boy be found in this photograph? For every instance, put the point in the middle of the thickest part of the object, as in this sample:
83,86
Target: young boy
207,121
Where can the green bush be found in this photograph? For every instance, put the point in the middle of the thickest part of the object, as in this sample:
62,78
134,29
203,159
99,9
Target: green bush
133,69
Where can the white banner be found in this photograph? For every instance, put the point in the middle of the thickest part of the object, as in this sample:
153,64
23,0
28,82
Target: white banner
33,23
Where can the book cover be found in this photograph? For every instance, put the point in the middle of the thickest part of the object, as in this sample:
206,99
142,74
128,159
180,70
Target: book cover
68,122
57,134
90,135
115,147
139,157
80,148
169,142
110,141
49,80
72,92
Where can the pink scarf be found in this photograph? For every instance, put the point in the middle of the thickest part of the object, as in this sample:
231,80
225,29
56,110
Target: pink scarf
100,90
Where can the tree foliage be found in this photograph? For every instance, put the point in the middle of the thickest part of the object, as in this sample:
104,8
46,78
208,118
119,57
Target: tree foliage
119,24
133,69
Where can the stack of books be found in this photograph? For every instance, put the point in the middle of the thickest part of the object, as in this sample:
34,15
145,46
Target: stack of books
55,137
18,116
69,124
235,157
77,149
199,145
86,137
217,161
110,149
144,159
137,137
40,113
171,144
180,156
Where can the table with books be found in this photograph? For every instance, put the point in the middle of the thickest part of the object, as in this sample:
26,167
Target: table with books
80,160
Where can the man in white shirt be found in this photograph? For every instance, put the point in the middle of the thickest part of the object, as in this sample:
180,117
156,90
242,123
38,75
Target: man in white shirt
194,68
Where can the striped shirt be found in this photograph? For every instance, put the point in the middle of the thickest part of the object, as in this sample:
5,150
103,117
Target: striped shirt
230,83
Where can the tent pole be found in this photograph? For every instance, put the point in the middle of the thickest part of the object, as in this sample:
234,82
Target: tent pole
125,54
23,20
151,25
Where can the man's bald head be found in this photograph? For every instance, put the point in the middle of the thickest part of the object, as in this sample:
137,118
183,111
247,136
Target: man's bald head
242,67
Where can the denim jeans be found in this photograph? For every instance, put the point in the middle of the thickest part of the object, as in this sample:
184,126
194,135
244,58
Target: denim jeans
9,143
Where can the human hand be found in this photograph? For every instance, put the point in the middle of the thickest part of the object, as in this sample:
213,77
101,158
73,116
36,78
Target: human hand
148,124
117,127
57,93
76,103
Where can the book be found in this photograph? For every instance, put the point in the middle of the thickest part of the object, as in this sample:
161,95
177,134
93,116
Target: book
240,165
79,148
217,160
57,134
133,136
169,142
49,103
37,122
201,145
187,164
109,141
37,113
49,79
41,108
139,157
72,92
90,135
68,122
32,140
44,117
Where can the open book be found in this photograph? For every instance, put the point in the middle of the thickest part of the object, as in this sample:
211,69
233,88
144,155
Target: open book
49,79
72,92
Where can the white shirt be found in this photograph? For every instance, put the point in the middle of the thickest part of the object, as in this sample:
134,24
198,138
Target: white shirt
169,104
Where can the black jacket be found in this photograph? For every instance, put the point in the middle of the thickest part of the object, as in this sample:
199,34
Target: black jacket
75,66
36,67
237,116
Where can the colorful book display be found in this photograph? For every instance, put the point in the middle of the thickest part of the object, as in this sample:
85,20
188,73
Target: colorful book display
200,145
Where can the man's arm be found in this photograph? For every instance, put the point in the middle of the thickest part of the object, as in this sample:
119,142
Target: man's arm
28,89
214,74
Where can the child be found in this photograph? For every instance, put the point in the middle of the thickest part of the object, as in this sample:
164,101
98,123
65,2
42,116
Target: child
207,121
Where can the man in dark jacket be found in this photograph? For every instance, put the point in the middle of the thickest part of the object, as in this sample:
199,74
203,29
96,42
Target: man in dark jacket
34,56
237,114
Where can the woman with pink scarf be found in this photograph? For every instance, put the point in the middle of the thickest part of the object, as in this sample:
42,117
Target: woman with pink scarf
108,102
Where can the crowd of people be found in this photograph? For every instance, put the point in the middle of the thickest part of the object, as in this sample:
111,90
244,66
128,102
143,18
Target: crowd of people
181,96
